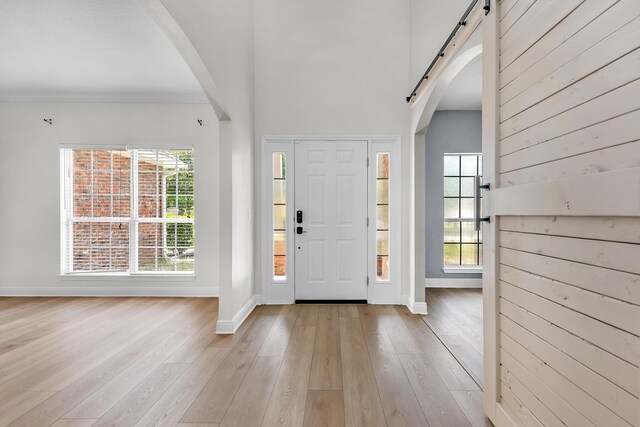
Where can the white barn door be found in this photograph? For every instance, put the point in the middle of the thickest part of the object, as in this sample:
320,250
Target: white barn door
562,252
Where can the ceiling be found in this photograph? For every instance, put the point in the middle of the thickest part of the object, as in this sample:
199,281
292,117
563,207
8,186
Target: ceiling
465,91
103,50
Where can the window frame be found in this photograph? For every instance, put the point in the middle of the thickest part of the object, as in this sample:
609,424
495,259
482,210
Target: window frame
66,205
461,268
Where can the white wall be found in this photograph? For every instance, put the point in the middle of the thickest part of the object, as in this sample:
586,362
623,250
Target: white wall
30,190
448,132
222,34
330,68
431,23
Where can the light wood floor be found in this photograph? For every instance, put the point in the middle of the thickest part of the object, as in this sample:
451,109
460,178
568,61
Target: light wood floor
455,315
157,361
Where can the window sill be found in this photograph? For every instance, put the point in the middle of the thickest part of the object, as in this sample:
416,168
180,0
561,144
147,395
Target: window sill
178,277
462,270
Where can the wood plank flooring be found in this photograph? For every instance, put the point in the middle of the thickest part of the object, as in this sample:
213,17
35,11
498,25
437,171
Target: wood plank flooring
157,361
455,316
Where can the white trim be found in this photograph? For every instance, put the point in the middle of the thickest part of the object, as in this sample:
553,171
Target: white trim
388,291
280,290
104,291
453,283
258,298
384,302
123,277
283,291
115,147
417,307
278,302
67,218
231,326
462,269
122,97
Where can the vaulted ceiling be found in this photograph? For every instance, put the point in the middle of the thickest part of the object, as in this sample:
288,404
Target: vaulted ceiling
465,91
89,50
112,50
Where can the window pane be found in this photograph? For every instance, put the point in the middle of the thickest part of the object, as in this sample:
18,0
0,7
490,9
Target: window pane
451,166
151,207
466,207
469,235
382,244
469,254
279,243
382,267
279,253
382,217
279,217
96,178
382,170
100,246
469,165
101,182
122,182
101,187
452,208
150,181
468,187
460,169
166,246
382,195
185,206
279,265
279,165
279,192
279,197
452,232
451,254
451,187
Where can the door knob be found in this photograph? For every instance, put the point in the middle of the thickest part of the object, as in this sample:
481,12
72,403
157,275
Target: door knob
299,230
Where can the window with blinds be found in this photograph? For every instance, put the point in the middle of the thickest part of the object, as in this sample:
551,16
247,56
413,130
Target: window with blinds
127,211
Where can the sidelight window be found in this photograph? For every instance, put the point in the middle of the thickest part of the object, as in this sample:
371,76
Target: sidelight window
279,197
382,216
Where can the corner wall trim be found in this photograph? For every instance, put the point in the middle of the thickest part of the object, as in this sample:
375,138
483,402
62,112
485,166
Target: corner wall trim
109,291
413,306
453,283
225,327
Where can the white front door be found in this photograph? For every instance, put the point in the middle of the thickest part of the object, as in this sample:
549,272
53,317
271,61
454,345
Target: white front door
331,232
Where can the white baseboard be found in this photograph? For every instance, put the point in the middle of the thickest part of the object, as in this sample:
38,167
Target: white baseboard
414,307
108,291
453,283
224,327
384,302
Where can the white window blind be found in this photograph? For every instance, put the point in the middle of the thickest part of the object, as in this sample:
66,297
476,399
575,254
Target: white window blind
127,211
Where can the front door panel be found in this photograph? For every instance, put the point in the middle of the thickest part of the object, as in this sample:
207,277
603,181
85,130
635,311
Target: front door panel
331,192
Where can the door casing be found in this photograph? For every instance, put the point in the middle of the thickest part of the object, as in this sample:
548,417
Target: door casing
283,291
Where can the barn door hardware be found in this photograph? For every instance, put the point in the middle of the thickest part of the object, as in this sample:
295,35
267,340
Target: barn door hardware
477,219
